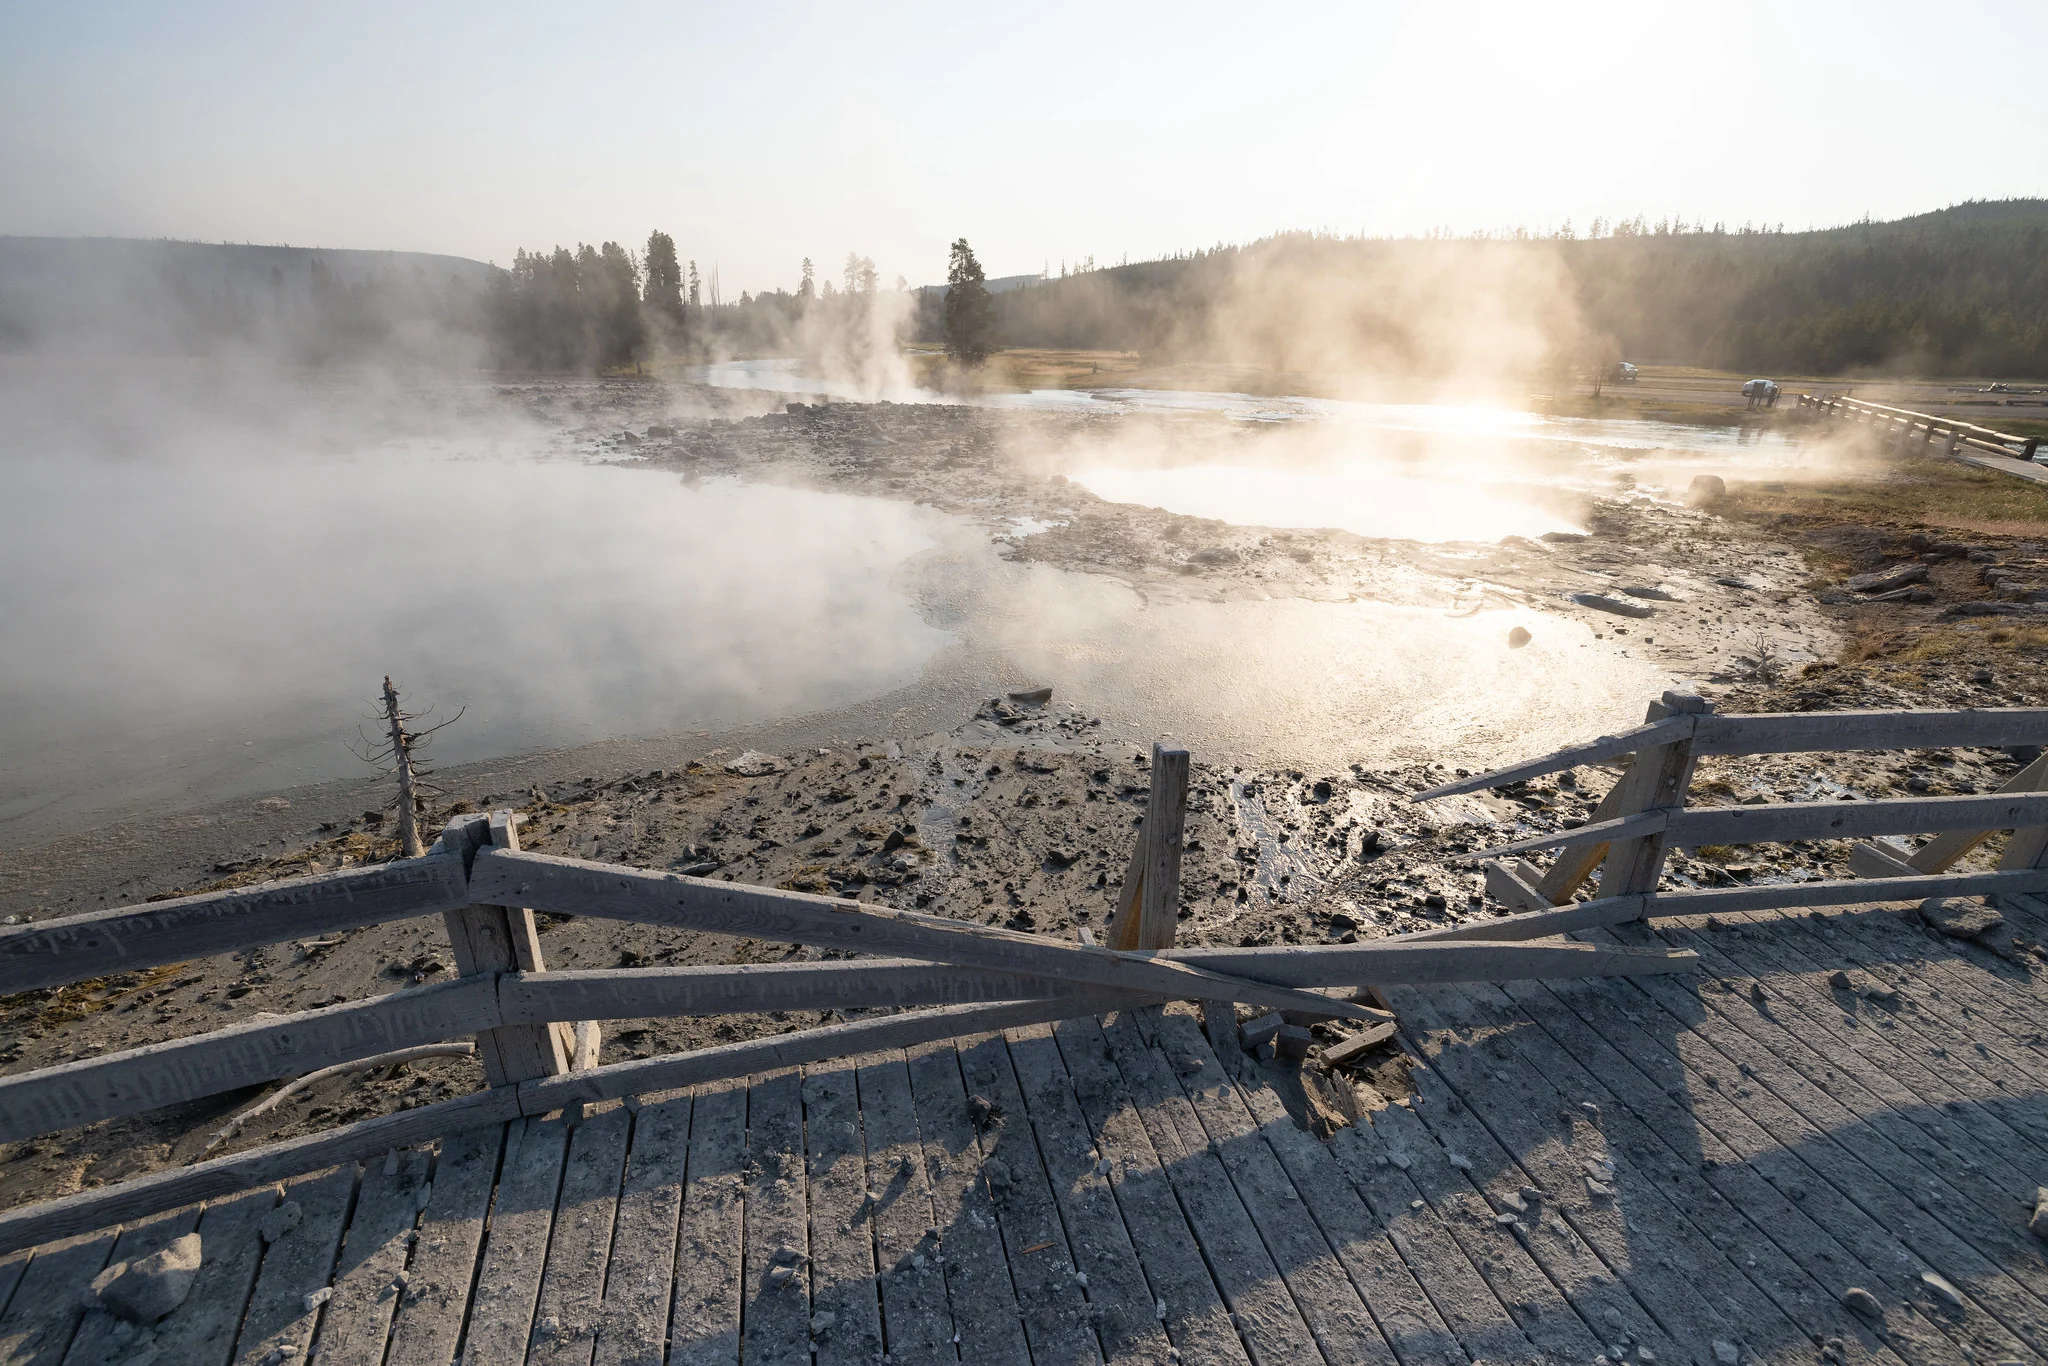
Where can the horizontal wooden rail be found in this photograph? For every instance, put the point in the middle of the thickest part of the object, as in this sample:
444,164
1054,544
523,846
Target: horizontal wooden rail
575,887
1970,428
124,939
1619,910
1784,733
1778,822
160,1074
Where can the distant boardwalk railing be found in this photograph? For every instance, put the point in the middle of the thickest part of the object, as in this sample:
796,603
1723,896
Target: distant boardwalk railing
972,979
1907,428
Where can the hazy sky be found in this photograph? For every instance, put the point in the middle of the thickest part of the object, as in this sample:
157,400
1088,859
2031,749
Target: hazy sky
761,133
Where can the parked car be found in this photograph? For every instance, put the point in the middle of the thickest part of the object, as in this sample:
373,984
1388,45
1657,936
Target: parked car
1624,373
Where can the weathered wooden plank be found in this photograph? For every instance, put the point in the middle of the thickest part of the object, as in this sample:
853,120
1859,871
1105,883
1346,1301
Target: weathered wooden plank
1659,777
909,1251
1717,901
1456,1290
1517,1131
1523,1288
638,993
1881,1104
516,1242
436,1300
748,988
1761,1235
1262,1307
1054,1303
612,892
1419,959
489,938
642,1274
155,1075
1582,838
202,1330
1798,732
11,1268
1635,790
846,1315
1668,731
1196,1320
979,1291
1166,816
298,1263
147,1195
1322,1290
37,1328
1943,850
1888,1233
127,938
1400,1307
704,1320
370,1273
101,1339
727,1061
568,1317
777,1311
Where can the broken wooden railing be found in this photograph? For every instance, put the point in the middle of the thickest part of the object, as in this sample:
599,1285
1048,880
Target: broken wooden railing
1908,428
1645,814
976,979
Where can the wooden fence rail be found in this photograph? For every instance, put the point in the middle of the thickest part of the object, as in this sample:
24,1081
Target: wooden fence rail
1645,813
527,1021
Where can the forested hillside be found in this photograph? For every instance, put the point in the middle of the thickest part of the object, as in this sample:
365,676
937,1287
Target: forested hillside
1960,291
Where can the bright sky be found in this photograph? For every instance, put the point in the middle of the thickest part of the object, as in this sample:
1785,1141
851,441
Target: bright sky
761,133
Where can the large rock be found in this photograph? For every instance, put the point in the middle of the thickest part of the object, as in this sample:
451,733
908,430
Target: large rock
1960,918
755,764
1621,607
1885,580
1704,489
144,1290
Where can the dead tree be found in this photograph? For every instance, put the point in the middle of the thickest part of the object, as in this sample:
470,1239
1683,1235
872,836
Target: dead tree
399,754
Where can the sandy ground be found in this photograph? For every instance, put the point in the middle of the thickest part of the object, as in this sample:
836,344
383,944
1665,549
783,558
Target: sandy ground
1026,820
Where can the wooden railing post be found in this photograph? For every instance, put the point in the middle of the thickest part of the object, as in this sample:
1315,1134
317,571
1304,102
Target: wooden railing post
1148,903
501,939
1657,776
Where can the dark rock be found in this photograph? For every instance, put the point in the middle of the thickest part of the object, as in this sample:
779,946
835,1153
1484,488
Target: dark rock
1032,697
1704,489
1885,580
1620,607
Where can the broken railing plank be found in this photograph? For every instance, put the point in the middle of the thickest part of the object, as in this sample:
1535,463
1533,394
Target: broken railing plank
1943,850
155,1075
1668,731
78,948
1166,816
489,938
164,1190
1783,821
619,893
676,1071
1619,910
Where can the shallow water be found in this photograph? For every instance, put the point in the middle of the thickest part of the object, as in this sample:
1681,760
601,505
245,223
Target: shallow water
201,587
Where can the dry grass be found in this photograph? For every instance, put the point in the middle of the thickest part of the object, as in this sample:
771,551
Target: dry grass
1911,491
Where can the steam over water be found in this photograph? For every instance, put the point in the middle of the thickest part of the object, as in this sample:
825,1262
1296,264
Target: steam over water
203,579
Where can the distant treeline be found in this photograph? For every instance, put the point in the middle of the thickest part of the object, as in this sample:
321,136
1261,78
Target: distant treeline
1960,291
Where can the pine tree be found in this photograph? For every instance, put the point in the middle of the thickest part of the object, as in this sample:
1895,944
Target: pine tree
970,311
808,289
695,286
663,288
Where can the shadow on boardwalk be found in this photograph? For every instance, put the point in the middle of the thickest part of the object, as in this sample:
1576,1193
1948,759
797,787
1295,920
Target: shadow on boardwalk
1663,1169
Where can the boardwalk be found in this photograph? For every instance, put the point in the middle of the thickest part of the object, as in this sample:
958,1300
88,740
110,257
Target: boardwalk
1658,1169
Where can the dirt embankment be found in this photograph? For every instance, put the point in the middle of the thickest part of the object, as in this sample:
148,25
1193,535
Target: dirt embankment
1027,821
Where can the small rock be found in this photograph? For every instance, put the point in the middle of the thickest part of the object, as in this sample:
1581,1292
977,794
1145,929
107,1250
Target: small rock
1862,1302
822,1321
144,1290
1032,697
997,1173
1886,580
754,764
1981,677
982,1111
281,1221
780,1276
316,1298
1726,1352
1590,1111
2038,1225
1729,582
1641,590
1959,917
1519,637
1620,607
1839,980
1704,489
1942,1288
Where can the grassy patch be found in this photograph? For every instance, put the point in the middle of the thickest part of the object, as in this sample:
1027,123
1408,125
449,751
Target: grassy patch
1908,492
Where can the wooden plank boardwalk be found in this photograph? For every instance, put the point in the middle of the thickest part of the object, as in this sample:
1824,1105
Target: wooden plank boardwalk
1651,1170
